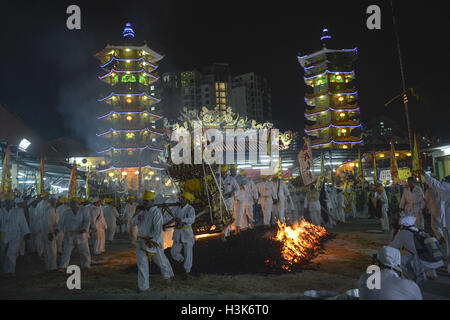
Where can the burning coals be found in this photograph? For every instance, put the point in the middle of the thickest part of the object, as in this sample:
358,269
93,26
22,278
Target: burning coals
301,241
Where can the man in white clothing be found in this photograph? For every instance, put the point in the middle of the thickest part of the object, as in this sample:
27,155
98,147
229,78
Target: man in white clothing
48,229
59,211
128,212
13,228
413,201
392,285
111,215
282,191
75,223
443,190
99,227
267,193
149,244
312,203
230,188
183,235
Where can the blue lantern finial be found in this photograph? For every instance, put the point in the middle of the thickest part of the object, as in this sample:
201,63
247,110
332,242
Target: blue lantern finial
325,37
128,31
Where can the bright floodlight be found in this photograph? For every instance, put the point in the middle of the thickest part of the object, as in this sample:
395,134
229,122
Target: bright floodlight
24,144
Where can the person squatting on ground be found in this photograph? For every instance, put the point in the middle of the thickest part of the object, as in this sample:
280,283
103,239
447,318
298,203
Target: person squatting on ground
149,244
183,235
392,285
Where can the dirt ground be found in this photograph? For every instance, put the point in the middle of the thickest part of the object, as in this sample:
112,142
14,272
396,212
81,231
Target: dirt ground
338,268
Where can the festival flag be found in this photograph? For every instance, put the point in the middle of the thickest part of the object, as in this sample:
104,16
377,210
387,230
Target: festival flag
6,186
375,173
40,182
394,166
360,168
306,164
417,162
322,172
72,192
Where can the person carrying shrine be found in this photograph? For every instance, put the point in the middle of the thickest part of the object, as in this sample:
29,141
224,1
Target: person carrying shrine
99,227
128,212
75,223
149,243
13,229
183,235
111,215
413,201
267,195
279,206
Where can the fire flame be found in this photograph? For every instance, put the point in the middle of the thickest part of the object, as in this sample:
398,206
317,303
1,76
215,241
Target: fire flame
299,241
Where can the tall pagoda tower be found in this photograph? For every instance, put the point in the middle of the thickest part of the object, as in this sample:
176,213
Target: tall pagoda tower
128,129
332,99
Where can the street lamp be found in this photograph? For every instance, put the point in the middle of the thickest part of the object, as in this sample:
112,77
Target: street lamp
24,144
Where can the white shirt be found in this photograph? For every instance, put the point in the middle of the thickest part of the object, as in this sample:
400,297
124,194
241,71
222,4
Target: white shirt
443,189
282,191
13,224
252,191
187,217
49,220
392,287
111,214
412,201
129,210
230,186
97,218
150,225
71,223
267,191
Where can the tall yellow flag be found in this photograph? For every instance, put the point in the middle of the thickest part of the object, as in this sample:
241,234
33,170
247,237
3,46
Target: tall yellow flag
375,173
72,192
40,182
5,186
417,163
87,183
360,168
394,166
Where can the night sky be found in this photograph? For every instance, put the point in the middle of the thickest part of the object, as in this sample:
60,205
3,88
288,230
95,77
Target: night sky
48,75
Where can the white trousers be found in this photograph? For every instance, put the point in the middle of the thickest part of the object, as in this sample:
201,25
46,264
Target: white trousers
384,220
49,253
9,254
266,206
133,230
175,251
159,258
279,210
59,241
315,217
110,233
81,245
99,241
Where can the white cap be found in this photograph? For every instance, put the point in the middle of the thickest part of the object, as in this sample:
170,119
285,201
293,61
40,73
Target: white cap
390,257
407,221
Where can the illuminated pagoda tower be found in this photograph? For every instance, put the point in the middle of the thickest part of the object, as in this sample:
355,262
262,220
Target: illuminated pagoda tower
128,128
332,99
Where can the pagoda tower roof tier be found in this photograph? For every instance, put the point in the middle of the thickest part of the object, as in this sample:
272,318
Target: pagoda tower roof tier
326,67
113,131
113,168
316,111
338,56
136,148
124,65
337,141
114,95
109,77
110,115
330,91
112,50
332,124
